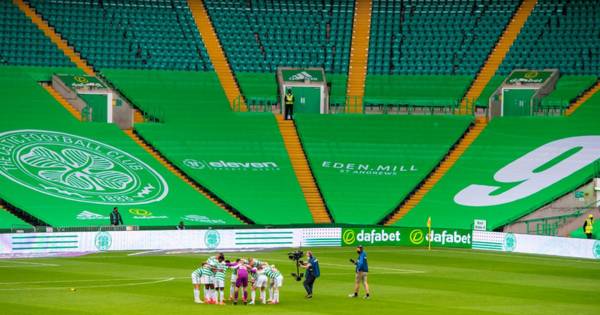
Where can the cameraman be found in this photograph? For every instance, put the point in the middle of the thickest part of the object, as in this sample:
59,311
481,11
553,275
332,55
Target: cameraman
312,273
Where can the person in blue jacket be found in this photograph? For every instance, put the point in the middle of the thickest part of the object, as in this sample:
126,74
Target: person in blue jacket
312,273
362,268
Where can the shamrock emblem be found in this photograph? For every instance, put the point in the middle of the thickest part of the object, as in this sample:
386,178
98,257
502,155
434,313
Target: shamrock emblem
76,169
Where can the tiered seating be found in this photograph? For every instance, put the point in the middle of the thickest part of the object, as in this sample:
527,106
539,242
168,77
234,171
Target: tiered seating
58,161
201,129
435,37
561,35
145,34
416,90
9,221
505,140
260,35
567,89
590,109
414,41
366,165
171,95
261,88
490,88
22,43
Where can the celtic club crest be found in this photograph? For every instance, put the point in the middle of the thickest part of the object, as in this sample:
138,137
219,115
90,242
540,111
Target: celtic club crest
77,168
103,241
596,249
510,242
212,239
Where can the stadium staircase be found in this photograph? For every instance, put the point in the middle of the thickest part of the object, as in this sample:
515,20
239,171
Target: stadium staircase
156,155
439,172
495,59
359,54
216,54
61,100
586,96
54,37
314,200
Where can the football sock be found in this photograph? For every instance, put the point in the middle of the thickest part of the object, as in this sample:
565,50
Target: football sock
221,296
253,296
196,294
263,296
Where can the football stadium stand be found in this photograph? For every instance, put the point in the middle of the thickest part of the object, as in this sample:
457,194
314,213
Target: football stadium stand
9,221
420,39
22,43
60,174
366,165
558,35
416,90
491,87
588,106
493,61
458,198
431,37
568,88
146,34
171,96
259,36
200,128
260,88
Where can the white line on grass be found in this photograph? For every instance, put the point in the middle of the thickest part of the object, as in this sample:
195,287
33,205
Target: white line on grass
145,252
24,264
349,266
88,286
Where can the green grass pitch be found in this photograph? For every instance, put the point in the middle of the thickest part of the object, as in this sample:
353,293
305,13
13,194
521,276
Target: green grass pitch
403,281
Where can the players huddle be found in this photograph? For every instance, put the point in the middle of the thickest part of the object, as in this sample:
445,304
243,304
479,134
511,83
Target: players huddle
251,273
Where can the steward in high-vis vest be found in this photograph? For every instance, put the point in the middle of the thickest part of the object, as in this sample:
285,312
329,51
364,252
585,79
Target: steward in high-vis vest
289,105
588,227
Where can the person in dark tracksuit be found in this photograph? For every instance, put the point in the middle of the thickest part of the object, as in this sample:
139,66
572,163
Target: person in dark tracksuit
115,217
289,105
362,268
312,273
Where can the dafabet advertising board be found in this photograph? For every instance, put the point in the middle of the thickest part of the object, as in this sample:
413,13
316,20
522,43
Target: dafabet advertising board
405,236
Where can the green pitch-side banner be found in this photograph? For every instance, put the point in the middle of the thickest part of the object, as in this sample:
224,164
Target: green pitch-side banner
404,236
300,75
76,82
528,77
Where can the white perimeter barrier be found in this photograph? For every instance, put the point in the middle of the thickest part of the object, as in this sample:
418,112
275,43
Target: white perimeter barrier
40,244
536,244
63,242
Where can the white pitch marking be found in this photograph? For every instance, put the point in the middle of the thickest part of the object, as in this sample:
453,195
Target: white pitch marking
26,264
349,265
145,252
91,286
